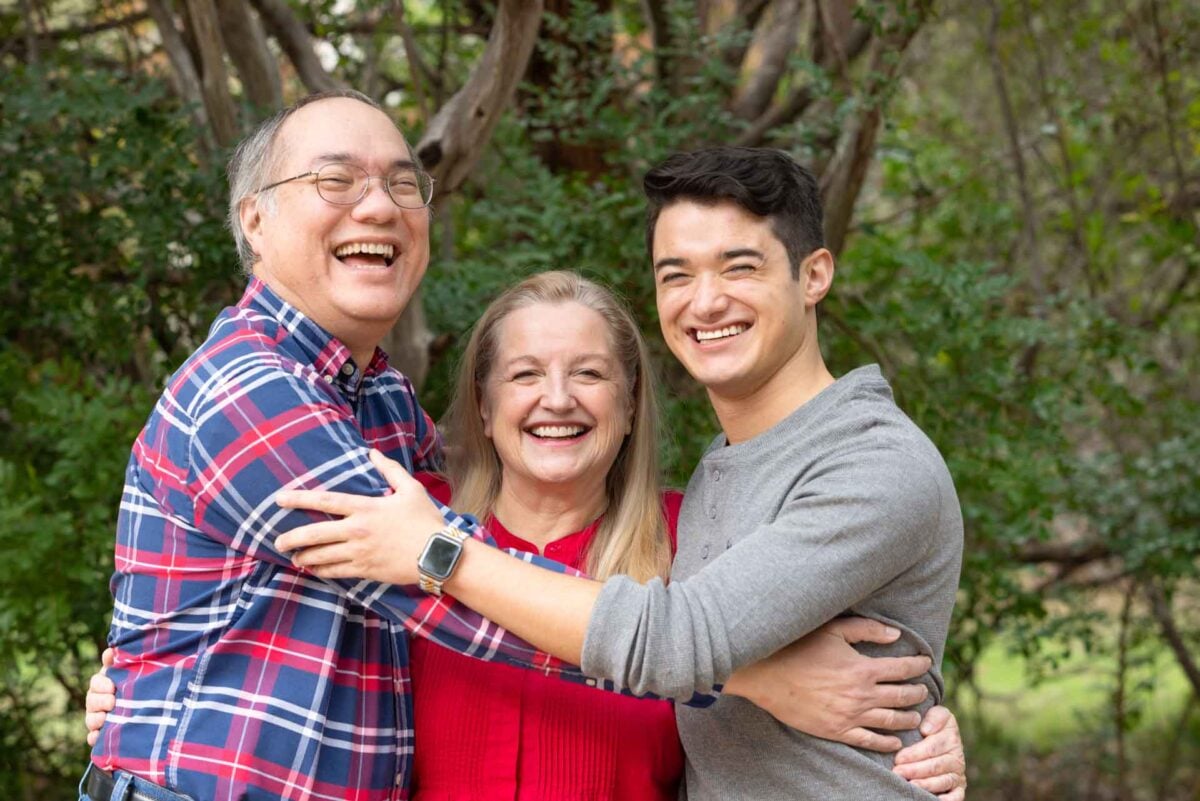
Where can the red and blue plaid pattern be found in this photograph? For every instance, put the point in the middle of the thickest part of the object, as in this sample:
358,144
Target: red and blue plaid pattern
239,677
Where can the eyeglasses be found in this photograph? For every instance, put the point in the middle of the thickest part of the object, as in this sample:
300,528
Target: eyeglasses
346,184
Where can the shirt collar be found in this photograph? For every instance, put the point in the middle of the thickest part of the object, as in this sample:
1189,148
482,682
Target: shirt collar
328,355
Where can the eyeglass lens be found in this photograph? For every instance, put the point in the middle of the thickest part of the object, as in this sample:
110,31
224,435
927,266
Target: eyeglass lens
345,184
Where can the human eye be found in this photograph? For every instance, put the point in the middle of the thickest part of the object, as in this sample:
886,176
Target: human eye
404,182
523,376
671,277
741,268
337,178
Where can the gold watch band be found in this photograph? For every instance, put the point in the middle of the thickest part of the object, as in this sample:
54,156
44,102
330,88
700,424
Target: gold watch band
428,583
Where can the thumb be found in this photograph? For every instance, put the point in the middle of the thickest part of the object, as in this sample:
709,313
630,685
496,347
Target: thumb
861,629
397,477
935,720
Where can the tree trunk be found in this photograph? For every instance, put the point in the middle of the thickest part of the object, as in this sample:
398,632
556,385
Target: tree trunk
183,70
454,140
214,80
775,46
247,47
459,131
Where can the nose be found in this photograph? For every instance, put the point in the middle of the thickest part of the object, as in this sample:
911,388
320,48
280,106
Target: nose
376,205
709,300
557,394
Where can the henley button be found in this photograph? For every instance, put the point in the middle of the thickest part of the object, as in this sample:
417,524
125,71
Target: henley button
712,512
716,475
704,552
347,369
328,379
591,682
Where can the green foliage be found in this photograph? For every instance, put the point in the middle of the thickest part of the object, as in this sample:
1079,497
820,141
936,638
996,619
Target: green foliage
113,259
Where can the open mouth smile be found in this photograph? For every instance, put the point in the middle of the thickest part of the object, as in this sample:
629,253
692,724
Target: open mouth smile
366,255
728,332
559,433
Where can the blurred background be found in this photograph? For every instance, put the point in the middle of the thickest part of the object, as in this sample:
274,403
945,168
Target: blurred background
1012,191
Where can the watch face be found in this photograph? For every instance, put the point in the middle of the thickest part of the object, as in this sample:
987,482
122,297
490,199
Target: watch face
440,556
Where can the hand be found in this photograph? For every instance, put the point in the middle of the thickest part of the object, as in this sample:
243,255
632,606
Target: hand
937,763
101,698
376,538
823,687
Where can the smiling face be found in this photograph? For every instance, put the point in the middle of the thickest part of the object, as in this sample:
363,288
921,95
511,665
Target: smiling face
729,308
556,403
351,269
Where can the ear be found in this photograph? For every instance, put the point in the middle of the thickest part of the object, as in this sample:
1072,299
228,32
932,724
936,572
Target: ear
485,414
816,274
250,217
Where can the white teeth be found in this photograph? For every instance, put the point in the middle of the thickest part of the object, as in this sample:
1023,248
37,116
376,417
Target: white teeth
557,432
372,248
728,331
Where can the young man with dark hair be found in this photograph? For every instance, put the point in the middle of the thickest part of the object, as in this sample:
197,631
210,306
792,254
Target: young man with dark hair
820,498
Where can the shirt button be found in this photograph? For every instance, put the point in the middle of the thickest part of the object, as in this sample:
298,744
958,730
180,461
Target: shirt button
712,512
591,682
716,475
328,379
704,552
347,369
728,544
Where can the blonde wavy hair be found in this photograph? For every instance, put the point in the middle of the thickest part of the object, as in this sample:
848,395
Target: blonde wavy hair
632,538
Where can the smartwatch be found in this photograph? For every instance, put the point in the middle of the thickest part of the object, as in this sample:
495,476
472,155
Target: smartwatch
441,555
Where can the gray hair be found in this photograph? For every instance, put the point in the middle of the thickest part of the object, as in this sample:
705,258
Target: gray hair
254,161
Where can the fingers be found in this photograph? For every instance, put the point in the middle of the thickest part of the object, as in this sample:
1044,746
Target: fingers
939,784
900,668
940,765
102,685
334,503
957,794
864,738
898,696
108,657
890,719
320,556
92,737
861,629
944,741
392,470
94,720
312,535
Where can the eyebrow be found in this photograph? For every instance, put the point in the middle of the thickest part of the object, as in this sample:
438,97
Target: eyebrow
734,253
738,253
528,358
328,158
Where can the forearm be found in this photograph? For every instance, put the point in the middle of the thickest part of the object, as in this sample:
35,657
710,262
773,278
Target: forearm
549,610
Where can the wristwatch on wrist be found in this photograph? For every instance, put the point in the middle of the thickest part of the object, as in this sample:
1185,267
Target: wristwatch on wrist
441,555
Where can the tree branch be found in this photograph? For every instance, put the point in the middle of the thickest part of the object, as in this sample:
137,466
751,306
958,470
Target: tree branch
461,129
774,48
296,42
1161,609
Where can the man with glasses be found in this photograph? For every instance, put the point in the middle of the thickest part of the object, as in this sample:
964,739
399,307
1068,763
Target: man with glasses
239,676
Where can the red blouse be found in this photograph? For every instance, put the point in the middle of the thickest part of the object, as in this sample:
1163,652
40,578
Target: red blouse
487,731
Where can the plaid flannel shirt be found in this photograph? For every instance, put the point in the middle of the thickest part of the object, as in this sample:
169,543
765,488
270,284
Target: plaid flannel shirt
239,677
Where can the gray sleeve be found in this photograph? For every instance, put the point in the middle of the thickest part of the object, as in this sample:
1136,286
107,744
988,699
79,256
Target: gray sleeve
841,535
